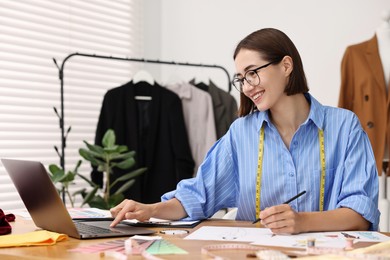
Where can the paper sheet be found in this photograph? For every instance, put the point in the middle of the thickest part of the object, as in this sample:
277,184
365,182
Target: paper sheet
264,237
332,240
81,213
237,234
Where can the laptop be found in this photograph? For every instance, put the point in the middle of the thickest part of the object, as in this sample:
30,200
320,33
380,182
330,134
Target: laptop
47,209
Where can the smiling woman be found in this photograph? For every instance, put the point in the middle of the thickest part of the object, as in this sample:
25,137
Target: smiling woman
284,142
32,34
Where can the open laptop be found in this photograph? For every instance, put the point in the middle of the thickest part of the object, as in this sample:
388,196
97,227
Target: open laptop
47,209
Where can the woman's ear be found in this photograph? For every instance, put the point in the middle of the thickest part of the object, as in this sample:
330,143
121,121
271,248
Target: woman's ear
288,65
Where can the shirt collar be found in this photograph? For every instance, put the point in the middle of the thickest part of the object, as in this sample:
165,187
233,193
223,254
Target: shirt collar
316,114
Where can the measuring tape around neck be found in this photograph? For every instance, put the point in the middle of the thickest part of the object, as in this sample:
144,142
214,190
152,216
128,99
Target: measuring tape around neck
260,170
322,158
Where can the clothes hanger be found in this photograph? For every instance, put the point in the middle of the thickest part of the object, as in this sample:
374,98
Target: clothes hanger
175,77
143,76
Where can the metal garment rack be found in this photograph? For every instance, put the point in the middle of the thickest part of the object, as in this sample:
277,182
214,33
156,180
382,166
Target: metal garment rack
61,77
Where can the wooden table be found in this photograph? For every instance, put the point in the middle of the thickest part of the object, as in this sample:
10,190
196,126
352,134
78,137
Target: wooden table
60,250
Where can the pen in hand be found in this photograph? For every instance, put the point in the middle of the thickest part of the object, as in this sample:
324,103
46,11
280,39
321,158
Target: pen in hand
286,202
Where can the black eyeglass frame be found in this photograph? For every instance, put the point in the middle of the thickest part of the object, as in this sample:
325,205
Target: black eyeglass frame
241,81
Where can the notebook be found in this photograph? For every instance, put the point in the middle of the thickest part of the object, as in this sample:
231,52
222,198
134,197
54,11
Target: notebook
47,209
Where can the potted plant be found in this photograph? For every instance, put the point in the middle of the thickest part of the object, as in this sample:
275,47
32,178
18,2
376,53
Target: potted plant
106,158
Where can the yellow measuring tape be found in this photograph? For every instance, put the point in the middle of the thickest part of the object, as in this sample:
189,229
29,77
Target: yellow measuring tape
259,171
322,158
260,166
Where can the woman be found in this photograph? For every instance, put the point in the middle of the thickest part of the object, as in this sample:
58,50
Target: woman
284,142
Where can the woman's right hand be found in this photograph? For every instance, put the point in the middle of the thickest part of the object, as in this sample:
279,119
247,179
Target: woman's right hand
130,209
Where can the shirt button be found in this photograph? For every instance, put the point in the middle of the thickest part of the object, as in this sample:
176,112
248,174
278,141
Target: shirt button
370,124
291,174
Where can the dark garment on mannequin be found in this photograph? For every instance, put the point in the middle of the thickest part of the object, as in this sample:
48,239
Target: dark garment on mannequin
155,130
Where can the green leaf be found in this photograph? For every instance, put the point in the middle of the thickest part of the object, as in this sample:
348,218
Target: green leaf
123,156
56,178
125,187
122,149
89,157
56,173
111,149
126,164
81,192
90,196
89,154
76,168
68,177
94,148
85,154
131,175
54,168
98,202
87,180
115,200
109,138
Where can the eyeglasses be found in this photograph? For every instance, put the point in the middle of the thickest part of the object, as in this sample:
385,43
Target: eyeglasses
251,76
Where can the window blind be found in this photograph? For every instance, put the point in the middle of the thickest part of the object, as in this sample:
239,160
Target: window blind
32,34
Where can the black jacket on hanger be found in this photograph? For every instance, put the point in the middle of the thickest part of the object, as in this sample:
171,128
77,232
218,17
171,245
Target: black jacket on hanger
155,130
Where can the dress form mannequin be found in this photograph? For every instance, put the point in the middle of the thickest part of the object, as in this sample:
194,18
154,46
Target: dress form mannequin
383,37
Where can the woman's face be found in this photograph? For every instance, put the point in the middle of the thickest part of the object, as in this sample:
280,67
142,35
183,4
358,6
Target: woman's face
273,79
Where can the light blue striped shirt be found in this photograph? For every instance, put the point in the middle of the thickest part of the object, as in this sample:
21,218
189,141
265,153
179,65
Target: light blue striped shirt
227,177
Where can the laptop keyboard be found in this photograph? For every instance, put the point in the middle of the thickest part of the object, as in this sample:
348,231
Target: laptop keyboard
89,229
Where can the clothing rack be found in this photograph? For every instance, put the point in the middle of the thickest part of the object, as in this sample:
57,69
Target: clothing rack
61,77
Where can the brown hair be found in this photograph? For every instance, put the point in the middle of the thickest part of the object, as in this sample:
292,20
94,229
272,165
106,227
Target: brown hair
273,45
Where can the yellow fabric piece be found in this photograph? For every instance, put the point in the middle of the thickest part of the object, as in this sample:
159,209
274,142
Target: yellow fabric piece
36,238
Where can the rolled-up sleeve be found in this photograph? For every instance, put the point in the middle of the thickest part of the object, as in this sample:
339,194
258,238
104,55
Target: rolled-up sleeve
360,179
214,187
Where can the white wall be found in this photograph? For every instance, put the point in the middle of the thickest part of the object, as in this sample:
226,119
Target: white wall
205,31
